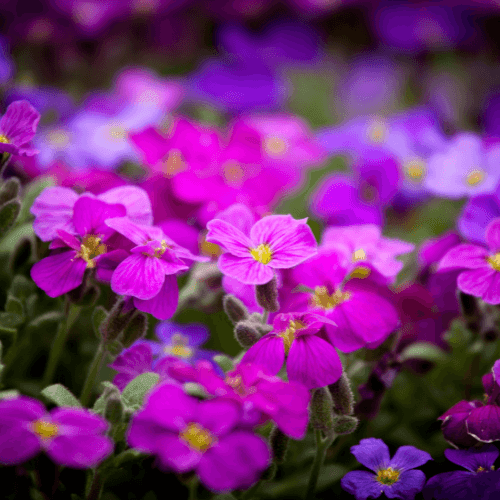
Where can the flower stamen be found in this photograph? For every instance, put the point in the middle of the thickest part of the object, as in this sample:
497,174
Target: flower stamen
387,476
262,253
197,437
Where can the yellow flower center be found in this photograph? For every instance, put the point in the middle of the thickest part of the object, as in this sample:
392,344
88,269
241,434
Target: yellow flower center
494,261
159,251
387,476
44,429
116,132
90,248
58,138
475,177
358,255
262,253
173,163
197,437
377,130
178,347
415,170
275,146
233,173
209,248
360,272
4,139
237,384
322,299
288,335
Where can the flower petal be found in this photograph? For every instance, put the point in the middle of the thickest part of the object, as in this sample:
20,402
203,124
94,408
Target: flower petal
484,423
361,484
137,233
407,486
313,362
464,256
79,451
372,453
135,200
229,237
79,421
409,457
140,276
474,458
60,273
245,269
176,454
19,122
493,235
268,352
477,282
17,445
164,304
218,416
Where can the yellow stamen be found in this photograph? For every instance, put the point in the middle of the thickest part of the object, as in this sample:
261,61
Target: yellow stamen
44,429
480,469
116,132
415,170
494,261
321,298
475,177
233,173
58,138
197,437
262,253
360,272
173,164
358,255
275,146
288,335
90,248
3,139
179,346
161,250
377,130
387,476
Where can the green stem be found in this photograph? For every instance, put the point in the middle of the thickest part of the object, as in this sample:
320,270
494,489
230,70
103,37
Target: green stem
59,342
265,317
321,446
94,489
193,487
94,370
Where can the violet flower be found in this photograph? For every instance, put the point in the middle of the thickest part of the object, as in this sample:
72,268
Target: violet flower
261,396
17,128
310,360
482,277
457,485
72,437
275,242
186,434
395,477
64,269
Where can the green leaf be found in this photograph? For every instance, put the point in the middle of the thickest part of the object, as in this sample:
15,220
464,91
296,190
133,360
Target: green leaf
194,389
425,351
127,456
9,190
7,335
9,243
46,322
225,362
14,306
31,192
98,316
21,287
100,404
134,392
9,394
8,215
60,395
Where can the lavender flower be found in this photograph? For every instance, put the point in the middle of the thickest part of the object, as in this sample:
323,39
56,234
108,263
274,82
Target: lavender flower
395,477
73,437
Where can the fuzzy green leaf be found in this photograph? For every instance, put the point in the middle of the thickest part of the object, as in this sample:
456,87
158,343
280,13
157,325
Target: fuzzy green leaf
60,395
134,392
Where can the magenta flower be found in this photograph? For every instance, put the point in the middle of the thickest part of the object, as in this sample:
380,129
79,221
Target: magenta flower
275,242
482,278
395,477
357,301
53,208
17,128
261,396
64,269
148,274
365,243
309,359
73,437
187,434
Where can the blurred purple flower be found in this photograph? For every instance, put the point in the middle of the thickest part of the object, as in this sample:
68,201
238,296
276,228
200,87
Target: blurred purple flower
17,129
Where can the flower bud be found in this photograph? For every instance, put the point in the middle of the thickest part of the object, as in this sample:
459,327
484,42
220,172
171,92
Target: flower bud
246,333
270,472
118,318
135,330
321,410
279,445
21,254
113,411
8,214
344,424
267,295
9,190
234,308
342,396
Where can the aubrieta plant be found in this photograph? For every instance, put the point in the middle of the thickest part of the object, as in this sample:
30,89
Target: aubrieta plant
272,259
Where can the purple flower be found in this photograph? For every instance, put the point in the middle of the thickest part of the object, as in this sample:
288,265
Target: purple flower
395,477
73,437
365,243
261,396
482,279
309,359
64,269
136,360
457,485
148,274
187,434
275,242
17,128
